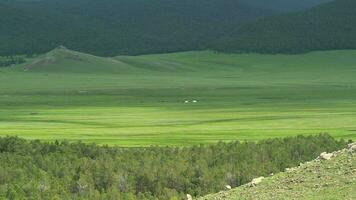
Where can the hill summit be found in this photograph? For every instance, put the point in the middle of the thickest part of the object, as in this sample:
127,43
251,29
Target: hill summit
62,60
61,47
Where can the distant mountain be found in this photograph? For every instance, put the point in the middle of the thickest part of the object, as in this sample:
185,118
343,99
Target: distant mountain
131,27
278,5
286,5
325,27
118,27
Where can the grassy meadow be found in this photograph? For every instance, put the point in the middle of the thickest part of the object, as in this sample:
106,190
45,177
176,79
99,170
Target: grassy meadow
141,100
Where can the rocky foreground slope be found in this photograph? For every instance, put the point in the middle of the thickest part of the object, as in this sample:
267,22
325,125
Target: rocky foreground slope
330,176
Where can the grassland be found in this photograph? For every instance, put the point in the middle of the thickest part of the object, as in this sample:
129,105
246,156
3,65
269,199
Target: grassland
140,100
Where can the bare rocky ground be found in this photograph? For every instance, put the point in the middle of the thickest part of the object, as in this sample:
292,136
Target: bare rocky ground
330,176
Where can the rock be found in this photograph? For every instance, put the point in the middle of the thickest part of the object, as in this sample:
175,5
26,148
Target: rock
43,187
227,187
189,197
256,181
62,47
325,156
290,169
352,147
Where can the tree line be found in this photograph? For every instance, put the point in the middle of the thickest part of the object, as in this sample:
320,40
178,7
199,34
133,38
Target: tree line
7,61
64,170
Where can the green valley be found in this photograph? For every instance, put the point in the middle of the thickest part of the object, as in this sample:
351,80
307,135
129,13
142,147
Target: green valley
179,98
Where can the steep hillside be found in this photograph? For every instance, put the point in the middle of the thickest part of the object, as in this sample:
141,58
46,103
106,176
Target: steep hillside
111,27
318,179
329,26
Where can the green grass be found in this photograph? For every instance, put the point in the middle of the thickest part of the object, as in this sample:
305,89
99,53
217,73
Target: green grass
317,180
139,101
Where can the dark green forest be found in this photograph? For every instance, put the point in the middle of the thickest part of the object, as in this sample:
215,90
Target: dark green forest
118,27
285,5
327,27
131,27
63,170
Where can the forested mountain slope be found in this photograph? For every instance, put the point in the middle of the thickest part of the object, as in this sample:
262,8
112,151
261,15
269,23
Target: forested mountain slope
121,27
32,30
112,27
328,26
286,5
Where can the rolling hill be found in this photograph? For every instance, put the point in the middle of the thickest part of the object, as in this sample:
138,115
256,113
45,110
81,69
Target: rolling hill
328,26
63,60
